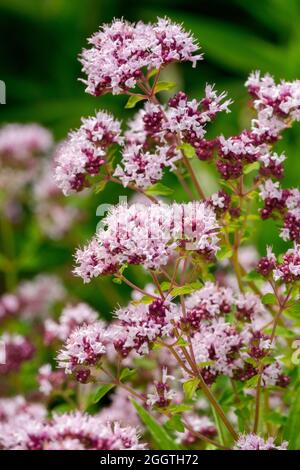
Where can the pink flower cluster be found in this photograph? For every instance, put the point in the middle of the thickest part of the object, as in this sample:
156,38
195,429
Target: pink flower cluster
71,317
199,424
20,142
54,216
83,350
68,431
18,349
17,406
255,442
286,271
147,236
282,204
121,51
49,379
277,106
85,151
140,325
163,394
154,135
32,299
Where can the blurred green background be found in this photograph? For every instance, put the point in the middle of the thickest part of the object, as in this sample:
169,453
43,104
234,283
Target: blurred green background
40,42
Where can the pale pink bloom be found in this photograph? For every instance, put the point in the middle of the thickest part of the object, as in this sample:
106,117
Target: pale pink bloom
199,424
18,349
49,380
141,324
71,317
83,350
147,235
85,151
121,50
13,407
255,442
69,431
22,141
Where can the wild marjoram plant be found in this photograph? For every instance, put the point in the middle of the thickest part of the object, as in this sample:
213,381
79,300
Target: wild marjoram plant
201,357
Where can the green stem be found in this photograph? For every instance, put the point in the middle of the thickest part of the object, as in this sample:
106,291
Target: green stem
9,252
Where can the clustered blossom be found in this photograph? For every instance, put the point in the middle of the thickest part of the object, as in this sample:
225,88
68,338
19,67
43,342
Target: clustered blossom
68,431
18,349
83,350
121,51
286,271
20,144
255,442
208,303
145,168
220,202
277,104
272,375
163,394
199,424
217,344
85,151
17,406
139,325
187,119
54,216
289,270
153,136
120,409
223,348
49,379
147,236
32,299
282,204
71,317
213,301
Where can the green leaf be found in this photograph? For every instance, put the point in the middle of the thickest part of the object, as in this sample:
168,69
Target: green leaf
100,186
291,429
152,73
127,373
175,424
269,299
220,426
224,252
159,434
101,392
181,342
133,100
251,167
165,285
156,346
186,289
293,311
179,408
188,150
190,388
159,189
164,86
251,383
117,280
146,299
